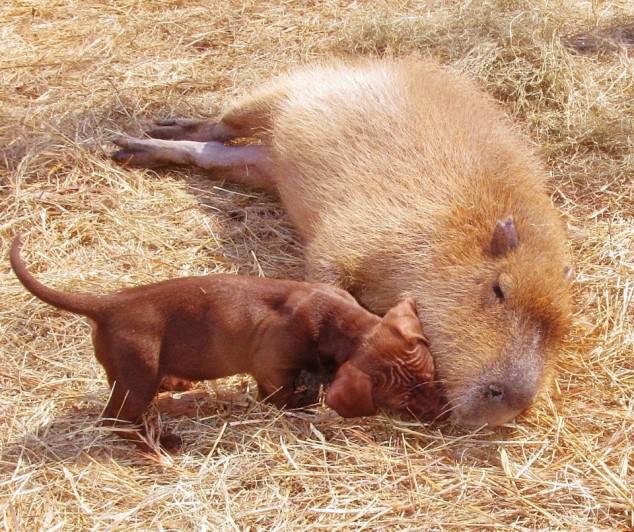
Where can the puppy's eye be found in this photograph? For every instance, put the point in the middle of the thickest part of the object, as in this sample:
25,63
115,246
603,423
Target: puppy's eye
497,290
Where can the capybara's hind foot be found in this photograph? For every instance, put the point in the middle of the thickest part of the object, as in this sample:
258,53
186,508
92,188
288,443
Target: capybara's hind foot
148,153
136,152
183,129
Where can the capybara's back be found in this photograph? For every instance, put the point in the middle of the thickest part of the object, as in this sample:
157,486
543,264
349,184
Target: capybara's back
406,180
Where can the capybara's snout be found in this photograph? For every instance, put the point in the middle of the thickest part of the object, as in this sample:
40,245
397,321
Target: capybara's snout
500,393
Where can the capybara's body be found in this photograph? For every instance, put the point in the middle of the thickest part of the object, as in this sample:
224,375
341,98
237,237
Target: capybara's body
406,180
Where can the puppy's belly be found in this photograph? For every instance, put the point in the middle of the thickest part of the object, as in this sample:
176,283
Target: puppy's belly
204,364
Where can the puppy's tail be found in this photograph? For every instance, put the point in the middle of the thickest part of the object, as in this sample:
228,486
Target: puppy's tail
85,304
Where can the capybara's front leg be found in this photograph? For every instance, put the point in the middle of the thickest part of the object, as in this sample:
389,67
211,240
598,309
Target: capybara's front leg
153,153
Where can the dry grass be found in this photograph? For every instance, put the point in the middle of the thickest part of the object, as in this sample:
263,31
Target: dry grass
73,72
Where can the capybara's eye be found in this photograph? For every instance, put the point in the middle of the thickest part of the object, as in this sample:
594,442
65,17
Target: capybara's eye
497,290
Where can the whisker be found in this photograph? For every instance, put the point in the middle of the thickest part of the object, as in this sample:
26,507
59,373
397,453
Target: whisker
449,409
427,383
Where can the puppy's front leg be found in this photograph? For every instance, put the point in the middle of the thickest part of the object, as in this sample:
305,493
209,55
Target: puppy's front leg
276,386
289,388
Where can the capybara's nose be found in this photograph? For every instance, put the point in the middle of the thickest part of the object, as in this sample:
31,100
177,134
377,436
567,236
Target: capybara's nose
494,392
517,396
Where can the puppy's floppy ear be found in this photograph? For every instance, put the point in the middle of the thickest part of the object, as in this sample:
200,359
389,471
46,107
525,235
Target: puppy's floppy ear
404,319
350,393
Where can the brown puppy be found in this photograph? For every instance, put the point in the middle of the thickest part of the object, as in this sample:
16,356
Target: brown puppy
215,326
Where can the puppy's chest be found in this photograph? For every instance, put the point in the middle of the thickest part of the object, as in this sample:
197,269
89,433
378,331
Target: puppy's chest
320,368
325,370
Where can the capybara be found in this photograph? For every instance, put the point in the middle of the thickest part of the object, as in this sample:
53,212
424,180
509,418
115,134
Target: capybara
214,326
405,180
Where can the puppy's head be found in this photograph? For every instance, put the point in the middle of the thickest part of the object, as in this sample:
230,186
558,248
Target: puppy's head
392,369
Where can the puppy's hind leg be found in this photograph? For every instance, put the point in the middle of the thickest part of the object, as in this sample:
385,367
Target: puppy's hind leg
132,369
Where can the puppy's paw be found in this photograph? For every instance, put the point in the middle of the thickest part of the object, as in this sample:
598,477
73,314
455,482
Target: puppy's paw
174,384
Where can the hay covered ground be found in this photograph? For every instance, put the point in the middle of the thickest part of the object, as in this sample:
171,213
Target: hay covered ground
72,73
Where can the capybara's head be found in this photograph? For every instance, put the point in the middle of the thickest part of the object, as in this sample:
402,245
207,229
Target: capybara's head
497,312
392,369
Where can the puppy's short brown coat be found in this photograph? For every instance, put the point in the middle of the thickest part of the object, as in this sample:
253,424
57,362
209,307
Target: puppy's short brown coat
215,326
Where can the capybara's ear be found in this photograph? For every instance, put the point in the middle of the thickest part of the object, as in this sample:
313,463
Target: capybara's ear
504,237
350,393
404,319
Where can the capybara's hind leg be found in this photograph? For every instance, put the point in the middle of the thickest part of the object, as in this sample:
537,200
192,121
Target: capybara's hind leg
197,130
247,117
246,164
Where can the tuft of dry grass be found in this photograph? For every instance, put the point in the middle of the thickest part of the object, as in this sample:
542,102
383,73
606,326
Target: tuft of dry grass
74,72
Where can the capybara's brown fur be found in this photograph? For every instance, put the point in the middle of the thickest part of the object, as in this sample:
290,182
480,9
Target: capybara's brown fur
405,180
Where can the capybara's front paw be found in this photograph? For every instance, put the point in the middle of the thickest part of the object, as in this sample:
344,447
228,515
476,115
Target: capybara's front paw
171,442
305,389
